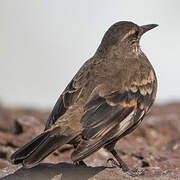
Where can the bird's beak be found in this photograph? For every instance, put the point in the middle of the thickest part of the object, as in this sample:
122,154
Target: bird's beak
148,27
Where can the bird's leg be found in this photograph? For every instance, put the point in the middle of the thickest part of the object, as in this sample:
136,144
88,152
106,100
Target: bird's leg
121,164
78,163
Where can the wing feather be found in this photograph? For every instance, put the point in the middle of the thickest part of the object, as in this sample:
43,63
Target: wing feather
108,118
62,104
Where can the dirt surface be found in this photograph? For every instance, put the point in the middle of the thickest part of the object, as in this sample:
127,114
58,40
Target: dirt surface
154,146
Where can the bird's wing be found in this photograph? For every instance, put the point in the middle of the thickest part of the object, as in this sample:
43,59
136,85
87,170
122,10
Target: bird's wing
109,117
69,94
62,104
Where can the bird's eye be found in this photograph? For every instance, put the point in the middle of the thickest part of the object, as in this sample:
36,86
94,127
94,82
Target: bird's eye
136,33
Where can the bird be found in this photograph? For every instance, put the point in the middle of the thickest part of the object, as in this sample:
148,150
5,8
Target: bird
106,100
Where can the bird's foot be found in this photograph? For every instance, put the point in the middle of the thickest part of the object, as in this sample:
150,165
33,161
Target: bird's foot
136,172
132,172
112,163
80,163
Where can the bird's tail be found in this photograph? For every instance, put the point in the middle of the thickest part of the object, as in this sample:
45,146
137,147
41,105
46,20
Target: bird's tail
36,150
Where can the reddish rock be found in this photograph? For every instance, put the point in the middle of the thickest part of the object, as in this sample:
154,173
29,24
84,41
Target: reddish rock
154,145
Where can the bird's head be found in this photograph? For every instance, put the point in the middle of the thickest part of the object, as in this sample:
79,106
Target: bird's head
123,36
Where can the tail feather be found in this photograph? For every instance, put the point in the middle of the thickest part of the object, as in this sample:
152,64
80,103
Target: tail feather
28,148
35,151
47,147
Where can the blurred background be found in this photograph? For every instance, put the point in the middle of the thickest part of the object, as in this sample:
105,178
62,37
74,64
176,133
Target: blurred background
43,43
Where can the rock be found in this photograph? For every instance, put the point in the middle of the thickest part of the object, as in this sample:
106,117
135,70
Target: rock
154,145
67,171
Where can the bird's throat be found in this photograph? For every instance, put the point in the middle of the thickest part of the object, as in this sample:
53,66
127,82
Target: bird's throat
136,50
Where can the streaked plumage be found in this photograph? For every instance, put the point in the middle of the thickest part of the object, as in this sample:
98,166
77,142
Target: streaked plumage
106,99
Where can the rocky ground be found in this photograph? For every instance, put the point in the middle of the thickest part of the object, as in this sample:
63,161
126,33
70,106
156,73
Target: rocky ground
154,146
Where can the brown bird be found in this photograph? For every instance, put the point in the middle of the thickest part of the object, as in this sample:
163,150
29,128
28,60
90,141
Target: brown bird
106,100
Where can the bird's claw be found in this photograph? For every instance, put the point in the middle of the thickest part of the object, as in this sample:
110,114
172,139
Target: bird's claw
112,162
131,172
135,172
80,164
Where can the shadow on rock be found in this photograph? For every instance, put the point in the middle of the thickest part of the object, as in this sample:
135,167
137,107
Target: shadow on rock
60,171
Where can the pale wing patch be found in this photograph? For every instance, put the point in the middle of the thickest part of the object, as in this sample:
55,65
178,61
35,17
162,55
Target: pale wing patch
103,131
144,86
134,88
143,90
126,124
